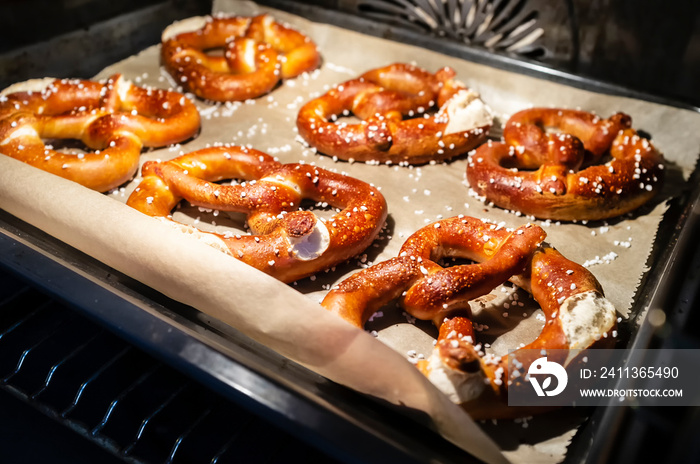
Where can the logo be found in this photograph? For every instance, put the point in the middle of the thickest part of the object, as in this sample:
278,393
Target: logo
552,369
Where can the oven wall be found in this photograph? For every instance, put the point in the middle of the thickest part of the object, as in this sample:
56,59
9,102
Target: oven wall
78,38
650,46
646,45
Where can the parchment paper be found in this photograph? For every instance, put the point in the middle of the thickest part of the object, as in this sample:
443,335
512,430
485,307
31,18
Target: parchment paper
615,251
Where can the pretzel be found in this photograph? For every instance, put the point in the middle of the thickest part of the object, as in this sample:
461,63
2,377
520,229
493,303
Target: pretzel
409,116
288,243
258,53
114,118
567,176
576,312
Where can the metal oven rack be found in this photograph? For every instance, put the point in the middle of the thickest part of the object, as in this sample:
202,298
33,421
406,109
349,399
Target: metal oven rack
116,395
76,343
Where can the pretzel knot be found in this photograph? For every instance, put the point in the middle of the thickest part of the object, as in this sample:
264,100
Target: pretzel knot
589,169
409,116
258,52
114,118
576,312
287,243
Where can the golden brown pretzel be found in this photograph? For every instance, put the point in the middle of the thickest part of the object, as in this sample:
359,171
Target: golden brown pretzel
576,312
258,53
115,118
289,243
382,98
555,175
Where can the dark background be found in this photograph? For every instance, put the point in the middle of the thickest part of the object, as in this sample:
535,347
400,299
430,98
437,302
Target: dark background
651,46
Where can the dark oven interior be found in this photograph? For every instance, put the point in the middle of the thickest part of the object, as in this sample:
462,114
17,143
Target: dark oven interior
74,389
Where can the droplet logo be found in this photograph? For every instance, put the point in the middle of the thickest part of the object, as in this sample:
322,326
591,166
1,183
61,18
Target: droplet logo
550,368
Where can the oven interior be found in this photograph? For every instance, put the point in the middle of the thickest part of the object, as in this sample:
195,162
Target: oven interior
103,387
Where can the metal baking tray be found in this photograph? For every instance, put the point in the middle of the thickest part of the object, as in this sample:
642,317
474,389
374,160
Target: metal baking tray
305,404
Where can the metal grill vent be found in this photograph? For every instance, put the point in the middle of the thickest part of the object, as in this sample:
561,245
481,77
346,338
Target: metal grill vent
511,26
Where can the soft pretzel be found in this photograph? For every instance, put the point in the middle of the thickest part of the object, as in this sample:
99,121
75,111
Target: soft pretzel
114,118
591,169
258,53
288,243
408,116
576,312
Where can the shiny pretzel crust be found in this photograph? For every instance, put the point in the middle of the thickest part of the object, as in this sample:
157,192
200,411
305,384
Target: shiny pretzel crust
287,243
382,98
259,52
576,313
115,118
565,175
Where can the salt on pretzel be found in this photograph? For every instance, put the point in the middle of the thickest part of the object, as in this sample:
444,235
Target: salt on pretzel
567,175
287,243
576,312
258,53
114,118
408,116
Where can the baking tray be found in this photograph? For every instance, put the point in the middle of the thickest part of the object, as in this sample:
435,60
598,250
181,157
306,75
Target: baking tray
247,371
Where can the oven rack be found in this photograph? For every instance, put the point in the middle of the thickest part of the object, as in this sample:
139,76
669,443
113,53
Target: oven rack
121,398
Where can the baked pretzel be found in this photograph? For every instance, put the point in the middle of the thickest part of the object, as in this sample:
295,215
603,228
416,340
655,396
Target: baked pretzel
258,53
408,116
288,243
576,312
591,169
114,118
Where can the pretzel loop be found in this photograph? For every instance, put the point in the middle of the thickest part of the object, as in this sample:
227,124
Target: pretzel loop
115,118
558,175
408,116
258,52
576,313
286,242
